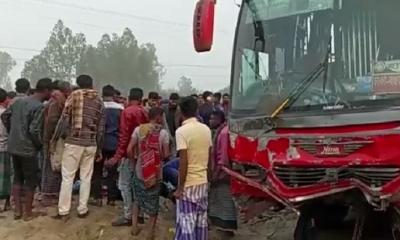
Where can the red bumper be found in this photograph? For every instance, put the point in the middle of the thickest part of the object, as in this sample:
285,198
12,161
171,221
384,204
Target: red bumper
365,166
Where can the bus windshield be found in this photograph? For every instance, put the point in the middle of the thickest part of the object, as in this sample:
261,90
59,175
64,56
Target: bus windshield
280,42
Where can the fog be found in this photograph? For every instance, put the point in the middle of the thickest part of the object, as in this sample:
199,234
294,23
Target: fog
25,27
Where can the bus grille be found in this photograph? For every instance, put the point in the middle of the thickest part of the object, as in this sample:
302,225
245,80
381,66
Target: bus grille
347,148
306,176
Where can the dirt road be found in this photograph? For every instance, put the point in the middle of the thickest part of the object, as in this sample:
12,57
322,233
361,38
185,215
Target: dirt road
97,227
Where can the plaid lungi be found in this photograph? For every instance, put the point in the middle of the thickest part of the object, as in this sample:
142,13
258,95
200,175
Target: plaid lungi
147,199
191,222
222,210
51,181
5,175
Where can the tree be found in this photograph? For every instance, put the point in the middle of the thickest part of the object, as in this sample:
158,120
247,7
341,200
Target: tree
6,65
185,87
166,92
225,90
36,68
119,60
60,58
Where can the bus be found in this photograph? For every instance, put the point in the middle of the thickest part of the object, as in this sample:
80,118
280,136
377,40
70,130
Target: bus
314,119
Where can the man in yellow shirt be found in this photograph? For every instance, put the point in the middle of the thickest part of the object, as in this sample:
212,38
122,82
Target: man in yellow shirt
193,140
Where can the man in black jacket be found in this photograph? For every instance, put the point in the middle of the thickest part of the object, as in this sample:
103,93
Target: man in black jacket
207,108
24,121
172,113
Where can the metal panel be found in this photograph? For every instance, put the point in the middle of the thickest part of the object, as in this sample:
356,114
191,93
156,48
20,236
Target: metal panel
360,60
354,44
306,176
364,20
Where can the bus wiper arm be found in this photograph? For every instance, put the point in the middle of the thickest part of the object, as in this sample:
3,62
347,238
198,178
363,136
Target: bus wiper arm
303,85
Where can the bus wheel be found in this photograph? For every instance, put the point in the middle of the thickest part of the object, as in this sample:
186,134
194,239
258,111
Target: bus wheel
305,227
329,217
395,215
361,216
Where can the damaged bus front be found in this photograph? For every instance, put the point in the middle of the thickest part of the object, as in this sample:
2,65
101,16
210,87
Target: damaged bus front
315,121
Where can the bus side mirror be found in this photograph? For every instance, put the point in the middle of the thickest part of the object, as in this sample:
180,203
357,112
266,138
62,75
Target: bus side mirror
203,25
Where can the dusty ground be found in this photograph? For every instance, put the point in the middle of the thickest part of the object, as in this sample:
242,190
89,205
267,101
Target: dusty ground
97,227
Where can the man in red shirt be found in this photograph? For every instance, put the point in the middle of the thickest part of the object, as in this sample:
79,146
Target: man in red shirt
133,116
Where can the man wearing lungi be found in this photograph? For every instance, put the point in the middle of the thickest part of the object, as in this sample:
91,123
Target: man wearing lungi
193,140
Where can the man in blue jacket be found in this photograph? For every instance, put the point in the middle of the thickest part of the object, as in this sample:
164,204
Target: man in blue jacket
113,112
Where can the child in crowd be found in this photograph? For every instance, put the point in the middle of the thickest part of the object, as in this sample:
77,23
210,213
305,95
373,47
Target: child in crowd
149,146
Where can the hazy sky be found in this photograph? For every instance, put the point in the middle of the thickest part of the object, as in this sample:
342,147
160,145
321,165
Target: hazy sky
27,23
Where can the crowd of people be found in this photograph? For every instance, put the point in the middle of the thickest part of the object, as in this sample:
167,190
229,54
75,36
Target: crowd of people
57,138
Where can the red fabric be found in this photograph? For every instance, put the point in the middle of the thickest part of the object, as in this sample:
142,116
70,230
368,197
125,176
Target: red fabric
226,108
151,158
131,118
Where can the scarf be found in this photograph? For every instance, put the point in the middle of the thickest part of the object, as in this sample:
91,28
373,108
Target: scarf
150,154
216,151
74,105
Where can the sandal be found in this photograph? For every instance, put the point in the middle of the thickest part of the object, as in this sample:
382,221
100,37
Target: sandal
64,218
135,231
122,222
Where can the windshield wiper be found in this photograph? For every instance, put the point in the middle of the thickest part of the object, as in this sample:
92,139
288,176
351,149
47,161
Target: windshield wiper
303,85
